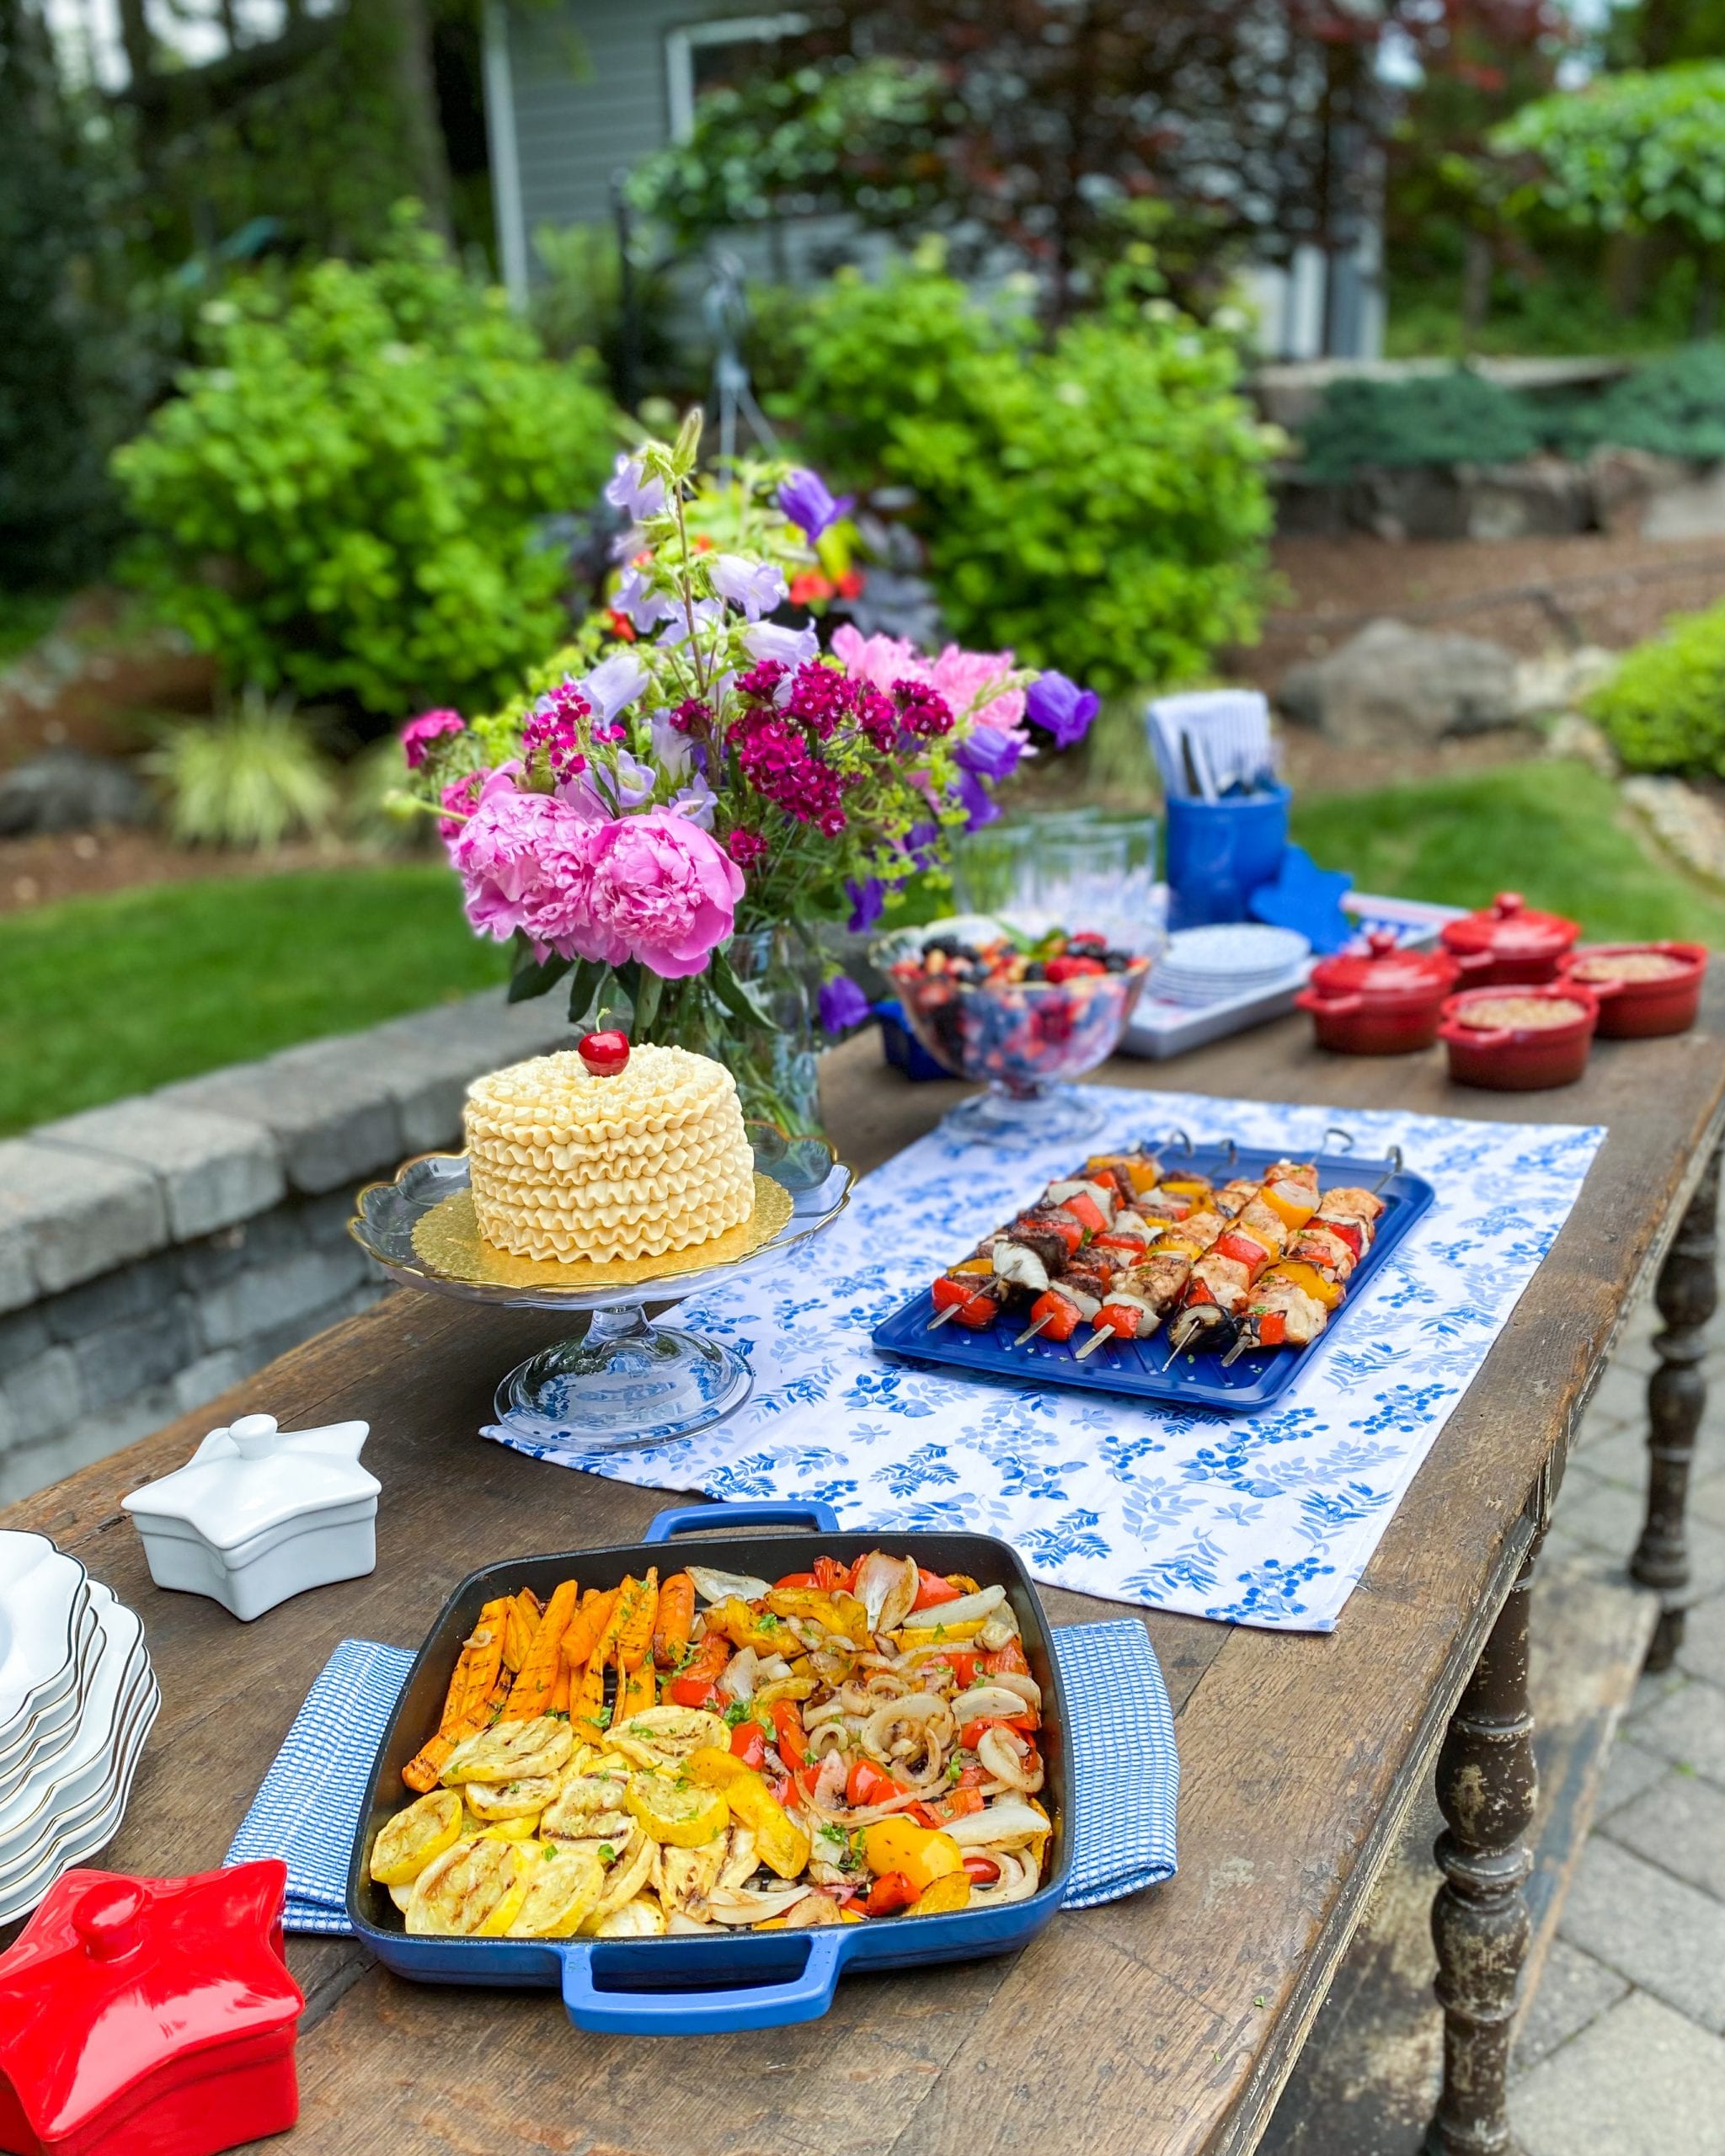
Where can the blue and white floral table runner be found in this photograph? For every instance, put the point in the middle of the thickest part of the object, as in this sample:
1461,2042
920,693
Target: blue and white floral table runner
1266,1519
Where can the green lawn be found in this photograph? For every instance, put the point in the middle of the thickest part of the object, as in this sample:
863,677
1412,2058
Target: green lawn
105,997
1555,831
102,997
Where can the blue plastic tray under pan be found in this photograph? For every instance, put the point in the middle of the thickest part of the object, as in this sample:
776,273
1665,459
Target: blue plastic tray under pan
683,1985
1135,1367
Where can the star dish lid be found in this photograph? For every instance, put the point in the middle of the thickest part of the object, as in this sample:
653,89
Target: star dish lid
252,1476
115,1980
1509,928
1384,973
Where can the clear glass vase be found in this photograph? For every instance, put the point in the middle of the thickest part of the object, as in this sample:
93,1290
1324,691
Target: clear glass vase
775,1060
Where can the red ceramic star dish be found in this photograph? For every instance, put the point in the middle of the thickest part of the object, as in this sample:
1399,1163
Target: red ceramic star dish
149,2017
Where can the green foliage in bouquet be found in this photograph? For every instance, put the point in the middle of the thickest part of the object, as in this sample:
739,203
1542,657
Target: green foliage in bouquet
1665,708
343,501
1099,504
1457,418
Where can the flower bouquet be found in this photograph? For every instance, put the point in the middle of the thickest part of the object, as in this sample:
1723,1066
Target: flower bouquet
692,785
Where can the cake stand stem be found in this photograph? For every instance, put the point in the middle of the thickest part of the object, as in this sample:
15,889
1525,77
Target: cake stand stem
626,1382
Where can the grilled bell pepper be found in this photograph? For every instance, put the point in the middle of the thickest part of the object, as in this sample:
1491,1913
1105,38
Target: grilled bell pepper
921,1853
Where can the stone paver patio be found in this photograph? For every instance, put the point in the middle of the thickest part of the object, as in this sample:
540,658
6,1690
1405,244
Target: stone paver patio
1622,2053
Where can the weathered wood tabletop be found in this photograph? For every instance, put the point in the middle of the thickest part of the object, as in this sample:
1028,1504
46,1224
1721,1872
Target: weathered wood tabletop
1165,2023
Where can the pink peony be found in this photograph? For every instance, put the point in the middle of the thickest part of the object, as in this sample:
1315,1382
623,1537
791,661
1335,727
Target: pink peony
525,862
663,891
976,684
419,734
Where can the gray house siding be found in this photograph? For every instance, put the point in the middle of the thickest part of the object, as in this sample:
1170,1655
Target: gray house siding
579,91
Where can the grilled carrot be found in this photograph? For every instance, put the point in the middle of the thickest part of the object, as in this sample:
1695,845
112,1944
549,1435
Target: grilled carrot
677,1615
530,1693
582,1637
634,1631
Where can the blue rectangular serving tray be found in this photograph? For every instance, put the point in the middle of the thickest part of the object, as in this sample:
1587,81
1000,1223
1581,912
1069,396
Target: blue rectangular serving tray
688,1986
1134,1368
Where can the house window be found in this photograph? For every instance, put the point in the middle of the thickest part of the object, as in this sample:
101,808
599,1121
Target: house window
700,57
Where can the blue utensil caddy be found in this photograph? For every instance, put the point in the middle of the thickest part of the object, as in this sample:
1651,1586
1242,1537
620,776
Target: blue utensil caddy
685,1986
1136,1368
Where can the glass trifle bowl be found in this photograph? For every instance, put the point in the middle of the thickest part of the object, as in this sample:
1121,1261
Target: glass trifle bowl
1025,1012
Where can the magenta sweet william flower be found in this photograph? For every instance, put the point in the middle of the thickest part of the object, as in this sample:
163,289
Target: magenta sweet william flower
805,499
1062,708
662,891
419,734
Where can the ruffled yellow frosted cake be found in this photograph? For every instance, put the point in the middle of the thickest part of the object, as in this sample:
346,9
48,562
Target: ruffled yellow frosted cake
648,1159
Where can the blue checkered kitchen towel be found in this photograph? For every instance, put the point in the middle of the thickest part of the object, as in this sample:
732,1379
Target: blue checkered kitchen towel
1122,1739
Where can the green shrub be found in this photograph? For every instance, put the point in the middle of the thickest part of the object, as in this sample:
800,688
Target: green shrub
1099,504
1675,406
343,501
253,776
1665,708
1458,418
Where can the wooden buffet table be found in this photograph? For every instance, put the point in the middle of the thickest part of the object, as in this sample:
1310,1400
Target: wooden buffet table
1166,2023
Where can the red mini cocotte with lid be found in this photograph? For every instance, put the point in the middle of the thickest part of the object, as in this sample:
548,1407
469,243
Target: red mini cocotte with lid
1508,940
1381,1001
149,2017
1520,1038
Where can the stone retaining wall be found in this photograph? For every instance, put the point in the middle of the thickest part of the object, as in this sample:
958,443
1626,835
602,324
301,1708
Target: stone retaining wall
154,1252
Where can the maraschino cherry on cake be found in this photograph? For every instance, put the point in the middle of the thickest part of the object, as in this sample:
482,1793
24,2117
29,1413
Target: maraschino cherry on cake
608,1152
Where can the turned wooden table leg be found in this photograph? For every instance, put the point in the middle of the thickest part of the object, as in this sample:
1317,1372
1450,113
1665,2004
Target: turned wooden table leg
1677,1393
1486,1786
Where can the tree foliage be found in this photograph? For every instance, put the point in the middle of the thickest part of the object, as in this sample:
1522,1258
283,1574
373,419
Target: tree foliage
1641,152
1097,504
343,501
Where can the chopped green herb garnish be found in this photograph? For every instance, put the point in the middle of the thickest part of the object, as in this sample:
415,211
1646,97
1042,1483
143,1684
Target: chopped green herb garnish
739,1710
607,1854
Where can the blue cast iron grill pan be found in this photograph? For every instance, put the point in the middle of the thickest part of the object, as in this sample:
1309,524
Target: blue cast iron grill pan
685,1986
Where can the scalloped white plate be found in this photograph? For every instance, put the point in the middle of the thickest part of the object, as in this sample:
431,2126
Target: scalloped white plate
38,1600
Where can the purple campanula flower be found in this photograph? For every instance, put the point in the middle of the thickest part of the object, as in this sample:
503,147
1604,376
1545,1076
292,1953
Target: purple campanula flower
991,752
631,490
868,899
789,647
980,806
805,499
696,801
757,587
645,607
1061,708
922,842
842,1005
612,686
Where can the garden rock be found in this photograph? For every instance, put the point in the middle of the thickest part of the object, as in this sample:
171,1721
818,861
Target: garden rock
1392,684
67,790
1685,821
1623,482
1579,740
1532,499
1559,681
1695,510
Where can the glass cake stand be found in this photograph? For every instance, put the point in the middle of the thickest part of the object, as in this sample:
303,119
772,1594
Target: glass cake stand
625,1380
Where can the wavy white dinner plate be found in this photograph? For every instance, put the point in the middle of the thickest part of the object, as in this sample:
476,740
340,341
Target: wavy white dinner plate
76,1840
53,1726
64,1827
66,1780
38,1597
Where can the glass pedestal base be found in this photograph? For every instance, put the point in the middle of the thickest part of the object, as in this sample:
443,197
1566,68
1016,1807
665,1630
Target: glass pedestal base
1017,1121
626,1383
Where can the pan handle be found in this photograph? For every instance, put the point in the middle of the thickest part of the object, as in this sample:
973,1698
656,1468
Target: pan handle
754,1511
804,1997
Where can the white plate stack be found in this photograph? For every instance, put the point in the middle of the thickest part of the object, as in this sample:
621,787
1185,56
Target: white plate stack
1231,960
77,1698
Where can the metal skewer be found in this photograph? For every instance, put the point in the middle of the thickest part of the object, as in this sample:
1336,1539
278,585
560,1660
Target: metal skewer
1236,1351
1394,1158
1102,1333
1030,1331
951,1310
